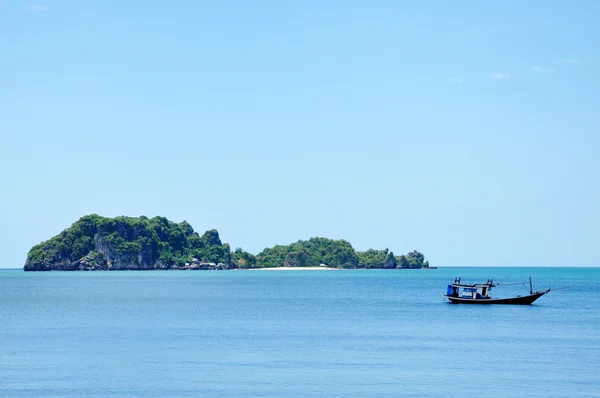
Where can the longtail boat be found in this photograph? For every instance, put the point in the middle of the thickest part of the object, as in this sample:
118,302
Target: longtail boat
480,293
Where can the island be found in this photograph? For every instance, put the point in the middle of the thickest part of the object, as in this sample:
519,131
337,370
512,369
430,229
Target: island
141,243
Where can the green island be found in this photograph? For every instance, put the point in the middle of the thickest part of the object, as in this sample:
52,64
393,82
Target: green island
142,243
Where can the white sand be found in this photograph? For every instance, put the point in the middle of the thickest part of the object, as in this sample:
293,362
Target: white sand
293,269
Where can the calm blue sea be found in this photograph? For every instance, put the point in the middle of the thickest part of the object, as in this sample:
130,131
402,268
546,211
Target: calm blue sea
353,333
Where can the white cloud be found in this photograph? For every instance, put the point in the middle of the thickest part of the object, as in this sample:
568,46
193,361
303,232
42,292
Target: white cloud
37,7
542,69
500,76
456,80
570,61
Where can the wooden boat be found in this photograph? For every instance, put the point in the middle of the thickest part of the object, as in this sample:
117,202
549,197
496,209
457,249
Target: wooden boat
480,293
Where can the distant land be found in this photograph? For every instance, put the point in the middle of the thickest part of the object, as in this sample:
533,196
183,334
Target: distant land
141,243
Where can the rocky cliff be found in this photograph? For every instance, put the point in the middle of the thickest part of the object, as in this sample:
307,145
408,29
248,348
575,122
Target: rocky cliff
127,243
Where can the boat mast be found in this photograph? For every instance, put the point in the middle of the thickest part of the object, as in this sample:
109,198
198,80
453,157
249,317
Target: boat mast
530,286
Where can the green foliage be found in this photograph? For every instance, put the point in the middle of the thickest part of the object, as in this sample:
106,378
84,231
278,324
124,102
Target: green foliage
158,242
310,253
412,260
76,241
336,254
242,259
131,241
377,259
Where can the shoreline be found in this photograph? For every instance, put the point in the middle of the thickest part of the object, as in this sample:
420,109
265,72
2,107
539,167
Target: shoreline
291,269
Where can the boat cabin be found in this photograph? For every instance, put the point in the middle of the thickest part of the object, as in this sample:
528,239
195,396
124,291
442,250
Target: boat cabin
474,291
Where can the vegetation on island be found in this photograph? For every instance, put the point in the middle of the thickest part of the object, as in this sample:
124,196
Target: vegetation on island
144,242
336,254
101,243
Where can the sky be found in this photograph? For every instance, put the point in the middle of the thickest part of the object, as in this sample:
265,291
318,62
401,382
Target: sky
467,130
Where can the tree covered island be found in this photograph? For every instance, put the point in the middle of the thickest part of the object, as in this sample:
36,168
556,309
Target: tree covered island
130,243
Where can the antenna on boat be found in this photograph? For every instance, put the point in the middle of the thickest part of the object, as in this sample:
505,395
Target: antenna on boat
530,286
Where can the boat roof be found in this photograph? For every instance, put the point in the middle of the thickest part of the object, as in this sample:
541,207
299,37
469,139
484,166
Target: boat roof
457,283
472,284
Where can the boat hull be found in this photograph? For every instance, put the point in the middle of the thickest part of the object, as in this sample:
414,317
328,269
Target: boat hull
520,300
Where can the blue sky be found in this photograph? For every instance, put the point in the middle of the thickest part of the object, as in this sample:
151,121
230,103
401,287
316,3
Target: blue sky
467,130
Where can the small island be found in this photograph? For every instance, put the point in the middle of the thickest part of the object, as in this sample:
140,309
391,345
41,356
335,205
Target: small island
141,243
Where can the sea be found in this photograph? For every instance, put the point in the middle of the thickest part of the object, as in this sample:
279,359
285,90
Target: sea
347,333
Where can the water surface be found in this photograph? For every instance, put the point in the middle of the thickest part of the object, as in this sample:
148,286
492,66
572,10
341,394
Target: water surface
296,334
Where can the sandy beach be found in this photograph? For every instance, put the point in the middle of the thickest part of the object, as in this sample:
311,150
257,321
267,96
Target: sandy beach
293,269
